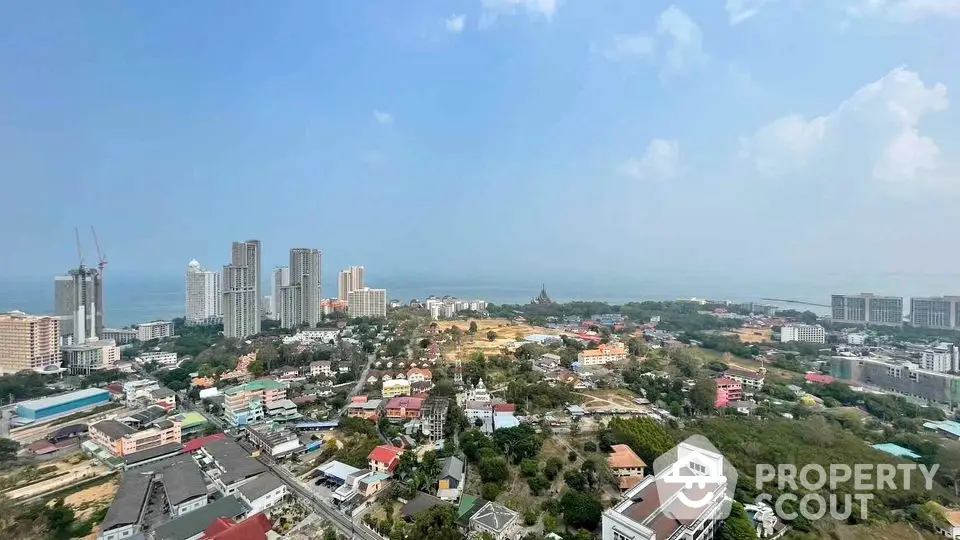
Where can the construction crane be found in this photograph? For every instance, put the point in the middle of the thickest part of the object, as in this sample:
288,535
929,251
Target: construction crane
103,258
76,233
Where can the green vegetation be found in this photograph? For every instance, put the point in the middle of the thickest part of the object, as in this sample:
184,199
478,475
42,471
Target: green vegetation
581,510
8,451
737,526
674,316
644,436
24,385
39,520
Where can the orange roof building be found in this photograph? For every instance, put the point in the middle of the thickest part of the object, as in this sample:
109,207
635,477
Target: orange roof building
626,465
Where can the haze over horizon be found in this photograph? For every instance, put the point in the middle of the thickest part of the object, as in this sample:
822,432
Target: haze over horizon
761,141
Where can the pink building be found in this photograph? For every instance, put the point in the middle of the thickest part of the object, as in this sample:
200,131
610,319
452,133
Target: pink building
728,391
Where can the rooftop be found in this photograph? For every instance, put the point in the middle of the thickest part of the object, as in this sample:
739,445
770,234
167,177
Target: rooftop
195,522
260,486
405,403
152,453
896,450
452,468
421,503
114,429
182,479
236,463
129,501
623,457
337,469
255,527
495,516
70,397
385,453
258,385
199,443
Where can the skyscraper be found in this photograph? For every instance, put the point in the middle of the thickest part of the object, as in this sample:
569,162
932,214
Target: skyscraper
368,302
300,300
78,303
241,291
351,279
866,308
280,277
204,295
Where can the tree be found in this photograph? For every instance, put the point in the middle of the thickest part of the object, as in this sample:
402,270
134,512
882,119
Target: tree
703,395
330,534
737,526
518,442
494,469
537,484
552,468
490,491
8,450
267,356
529,467
581,510
210,429
473,327
491,335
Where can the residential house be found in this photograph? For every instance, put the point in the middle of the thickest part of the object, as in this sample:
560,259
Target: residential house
165,398
385,458
547,362
361,484
728,391
626,465
254,527
368,409
746,377
450,481
400,409
321,368
603,355
497,520
396,387
419,375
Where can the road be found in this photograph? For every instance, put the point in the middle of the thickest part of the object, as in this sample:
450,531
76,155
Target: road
361,380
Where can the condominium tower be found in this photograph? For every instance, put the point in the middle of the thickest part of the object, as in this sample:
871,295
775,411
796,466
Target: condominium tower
280,277
28,342
935,312
367,302
204,295
241,291
351,279
78,303
300,301
867,308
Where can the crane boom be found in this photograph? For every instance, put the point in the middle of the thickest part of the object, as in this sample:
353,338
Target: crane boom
76,233
101,256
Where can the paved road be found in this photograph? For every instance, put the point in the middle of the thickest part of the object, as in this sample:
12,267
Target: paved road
361,380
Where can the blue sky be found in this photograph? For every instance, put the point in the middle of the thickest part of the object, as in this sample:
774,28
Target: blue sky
485,138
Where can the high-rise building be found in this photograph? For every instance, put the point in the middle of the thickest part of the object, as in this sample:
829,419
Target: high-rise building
28,342
351,279
807,333
300,301
241,291
367,302
280,277
935,312
81,291
865,308
204,295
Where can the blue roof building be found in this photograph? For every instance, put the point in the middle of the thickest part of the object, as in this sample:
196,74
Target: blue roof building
50,407
896,450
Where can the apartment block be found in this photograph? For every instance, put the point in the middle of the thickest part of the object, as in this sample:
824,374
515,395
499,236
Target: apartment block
806,333
154,330
241,291
28,342
935,312
246,403
121,336
603,355
728,391
867,308
349,280
901,378
279,277
299,302
204,295
90,356
367,302
121,439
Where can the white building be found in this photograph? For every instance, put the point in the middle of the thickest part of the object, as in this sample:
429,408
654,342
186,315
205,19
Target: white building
280,277
90,356
350,280
479,393
299,302
941,359
162,358
806,333
856,338
154,330
204,295
640,514
262,493
367,302
140,388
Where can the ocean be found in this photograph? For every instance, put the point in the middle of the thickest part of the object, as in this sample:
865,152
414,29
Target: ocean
130,300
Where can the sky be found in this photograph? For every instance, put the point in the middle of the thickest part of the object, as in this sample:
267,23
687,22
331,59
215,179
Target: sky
485,139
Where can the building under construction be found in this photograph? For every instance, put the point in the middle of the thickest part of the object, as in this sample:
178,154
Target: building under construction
78,299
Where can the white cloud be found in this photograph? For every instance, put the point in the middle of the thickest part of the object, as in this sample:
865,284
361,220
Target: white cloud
684,41
739,11
875,132
455,23
660,161
491,9
384,118
677,37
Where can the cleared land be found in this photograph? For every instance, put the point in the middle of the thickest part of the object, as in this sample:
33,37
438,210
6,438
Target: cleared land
67,476
507,332
608,401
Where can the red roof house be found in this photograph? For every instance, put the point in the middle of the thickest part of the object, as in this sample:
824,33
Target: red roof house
255,527
385,458
818,378
504,407
196,444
